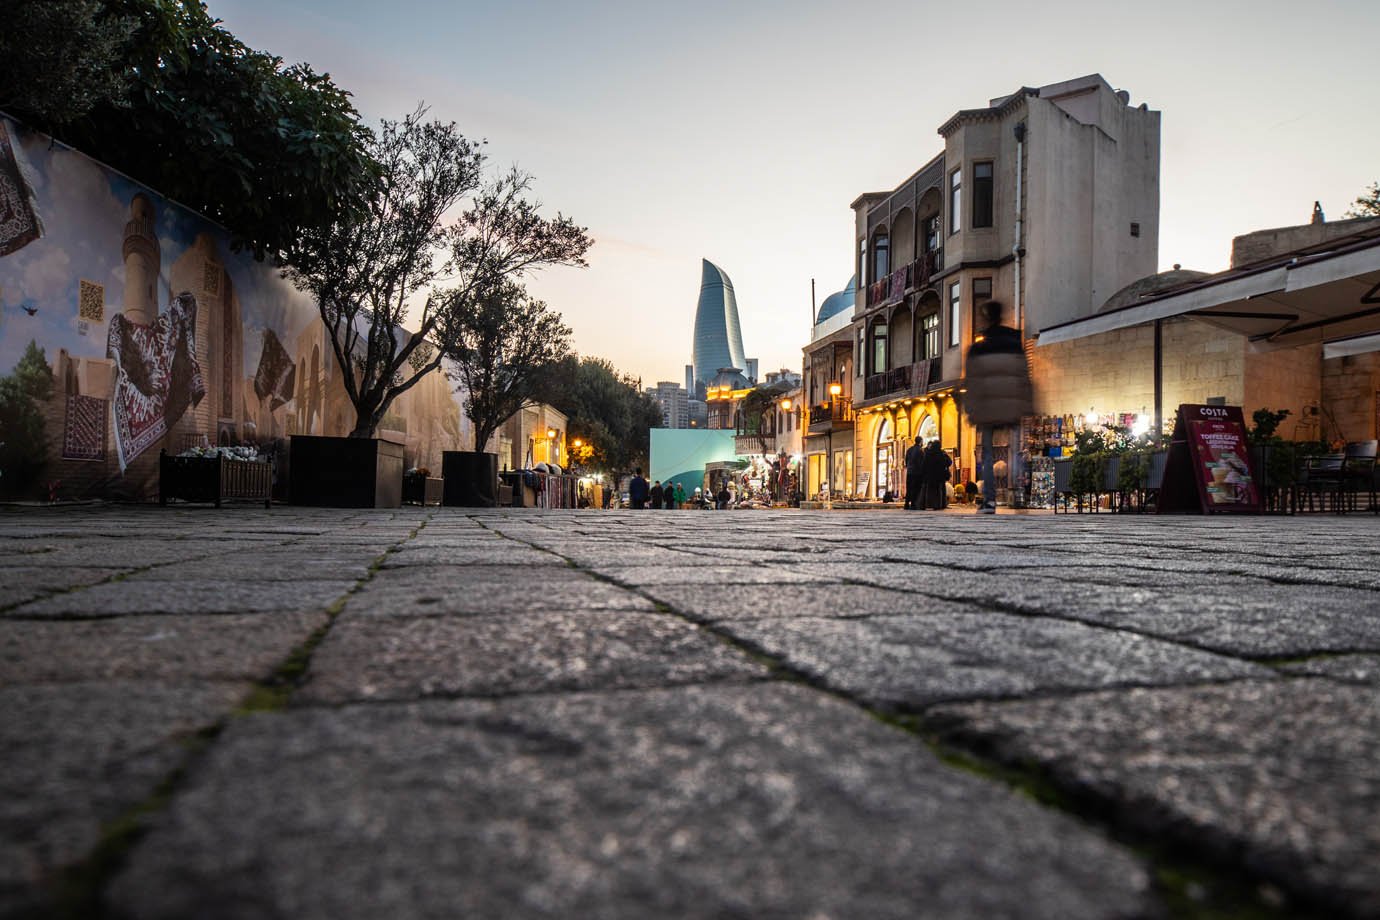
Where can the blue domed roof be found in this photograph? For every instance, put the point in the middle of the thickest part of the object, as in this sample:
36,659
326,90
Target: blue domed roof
839,301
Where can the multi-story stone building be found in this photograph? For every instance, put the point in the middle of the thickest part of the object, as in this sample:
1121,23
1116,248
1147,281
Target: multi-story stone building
1046,200
827,394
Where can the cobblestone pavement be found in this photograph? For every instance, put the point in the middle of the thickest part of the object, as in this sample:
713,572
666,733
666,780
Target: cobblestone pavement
441,713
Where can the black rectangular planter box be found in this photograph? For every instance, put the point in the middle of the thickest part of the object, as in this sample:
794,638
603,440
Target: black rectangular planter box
471,479
346,472
213,479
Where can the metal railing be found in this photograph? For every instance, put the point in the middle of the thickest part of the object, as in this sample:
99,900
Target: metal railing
916,275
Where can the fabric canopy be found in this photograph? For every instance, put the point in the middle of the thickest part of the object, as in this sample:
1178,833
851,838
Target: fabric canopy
1302,299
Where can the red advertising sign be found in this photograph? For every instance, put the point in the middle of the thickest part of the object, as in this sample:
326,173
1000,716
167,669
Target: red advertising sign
1209,450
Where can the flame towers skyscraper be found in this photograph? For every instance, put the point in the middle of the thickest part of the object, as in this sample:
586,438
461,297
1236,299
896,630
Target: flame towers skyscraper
718,337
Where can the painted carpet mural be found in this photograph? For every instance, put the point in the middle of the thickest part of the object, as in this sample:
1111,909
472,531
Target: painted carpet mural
129,326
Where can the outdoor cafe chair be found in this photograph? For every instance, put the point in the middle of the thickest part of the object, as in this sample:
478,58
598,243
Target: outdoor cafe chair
1358,476
1321,477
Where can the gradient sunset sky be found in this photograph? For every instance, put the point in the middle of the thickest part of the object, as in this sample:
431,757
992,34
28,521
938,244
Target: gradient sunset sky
740,131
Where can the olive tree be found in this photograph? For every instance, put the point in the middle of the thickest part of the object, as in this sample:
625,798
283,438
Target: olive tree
404,262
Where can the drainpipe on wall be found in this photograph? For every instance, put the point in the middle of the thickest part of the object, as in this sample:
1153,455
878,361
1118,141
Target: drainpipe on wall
1016,244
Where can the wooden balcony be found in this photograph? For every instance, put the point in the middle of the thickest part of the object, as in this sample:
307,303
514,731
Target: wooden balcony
912,277
905,381
828,417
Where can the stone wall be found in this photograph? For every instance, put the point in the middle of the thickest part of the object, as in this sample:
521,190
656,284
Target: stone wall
1351,397
1113,372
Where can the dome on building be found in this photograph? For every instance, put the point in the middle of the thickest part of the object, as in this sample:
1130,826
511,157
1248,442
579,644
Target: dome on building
838,302
731,377
1150,286
718,337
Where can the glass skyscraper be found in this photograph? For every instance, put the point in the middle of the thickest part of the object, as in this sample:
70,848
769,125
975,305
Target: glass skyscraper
718,338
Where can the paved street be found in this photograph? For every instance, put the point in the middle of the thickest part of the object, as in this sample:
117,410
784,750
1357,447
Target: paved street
440,713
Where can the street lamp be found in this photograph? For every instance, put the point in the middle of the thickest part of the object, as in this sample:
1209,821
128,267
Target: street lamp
835,390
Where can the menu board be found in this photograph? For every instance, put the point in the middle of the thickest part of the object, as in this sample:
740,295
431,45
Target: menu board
1209,450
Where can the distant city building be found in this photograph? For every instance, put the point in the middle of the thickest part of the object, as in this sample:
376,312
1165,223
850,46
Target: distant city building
718,336
785,375
674,402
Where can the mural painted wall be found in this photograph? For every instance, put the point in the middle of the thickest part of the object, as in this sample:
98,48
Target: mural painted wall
158,336
680,454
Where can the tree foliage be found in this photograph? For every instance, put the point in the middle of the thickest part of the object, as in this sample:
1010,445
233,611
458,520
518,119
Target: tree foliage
368,270
504,346
605,410
1367,204
63,57
23,442
158,90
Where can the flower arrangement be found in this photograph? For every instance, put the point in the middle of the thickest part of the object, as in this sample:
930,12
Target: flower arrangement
245,452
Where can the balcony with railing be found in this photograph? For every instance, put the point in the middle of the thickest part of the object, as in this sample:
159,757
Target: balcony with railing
912,277
906,380
830,416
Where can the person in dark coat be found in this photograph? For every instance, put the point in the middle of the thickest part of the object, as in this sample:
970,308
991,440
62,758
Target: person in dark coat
637,490
936,475
668,496
997,380
915,455
654,497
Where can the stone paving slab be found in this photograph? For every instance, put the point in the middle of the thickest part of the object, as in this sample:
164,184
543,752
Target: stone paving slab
429,590
493,552
715,602
124,552
25,583
144,597
79,755
290,563
908,662
1355,669
709,573
403,658
766,801
162,648
1230,614
1284,775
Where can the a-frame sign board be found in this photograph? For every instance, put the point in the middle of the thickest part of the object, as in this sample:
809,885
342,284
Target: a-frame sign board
1209,466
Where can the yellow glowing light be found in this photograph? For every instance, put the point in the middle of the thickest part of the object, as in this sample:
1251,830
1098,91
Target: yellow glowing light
835,389
579,443
550,432
785,405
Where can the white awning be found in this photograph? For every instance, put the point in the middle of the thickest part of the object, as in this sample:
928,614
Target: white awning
1309,299
1356,345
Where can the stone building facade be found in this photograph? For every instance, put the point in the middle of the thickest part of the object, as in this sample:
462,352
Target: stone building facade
1046,200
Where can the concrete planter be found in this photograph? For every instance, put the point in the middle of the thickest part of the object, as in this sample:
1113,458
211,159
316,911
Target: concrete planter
346,472
471,480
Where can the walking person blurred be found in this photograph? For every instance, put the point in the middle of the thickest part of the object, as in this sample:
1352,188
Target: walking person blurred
637,490
680,496
668,496
997,379
655,496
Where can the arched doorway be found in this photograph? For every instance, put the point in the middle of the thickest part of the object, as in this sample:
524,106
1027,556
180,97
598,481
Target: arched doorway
886,460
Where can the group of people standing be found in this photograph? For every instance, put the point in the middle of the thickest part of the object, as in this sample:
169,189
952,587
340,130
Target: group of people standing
997,384
927,477
669,496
